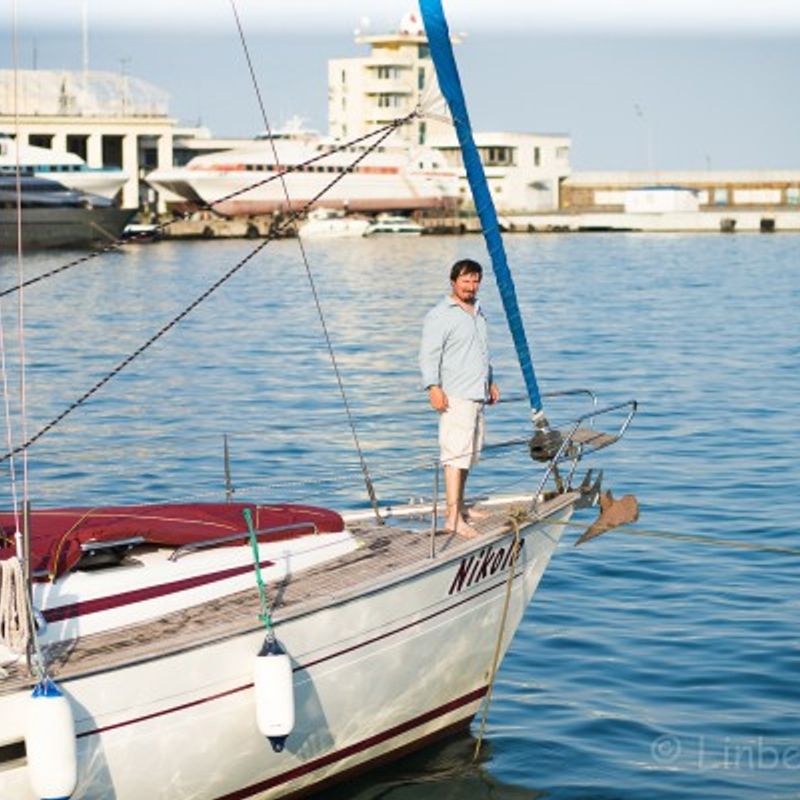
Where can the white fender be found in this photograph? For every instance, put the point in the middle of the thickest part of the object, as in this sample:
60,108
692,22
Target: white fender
50,743
274,693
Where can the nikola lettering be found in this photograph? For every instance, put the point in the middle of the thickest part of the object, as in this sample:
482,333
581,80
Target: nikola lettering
482,565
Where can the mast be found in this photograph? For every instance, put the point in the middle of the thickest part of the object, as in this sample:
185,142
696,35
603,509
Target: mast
85,44
450,84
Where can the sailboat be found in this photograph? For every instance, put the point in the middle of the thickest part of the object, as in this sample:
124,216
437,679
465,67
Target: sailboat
259,650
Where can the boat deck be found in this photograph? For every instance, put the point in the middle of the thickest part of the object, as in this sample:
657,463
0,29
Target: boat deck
387,553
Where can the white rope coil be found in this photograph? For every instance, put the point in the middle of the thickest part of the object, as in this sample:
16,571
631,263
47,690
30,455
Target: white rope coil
15,632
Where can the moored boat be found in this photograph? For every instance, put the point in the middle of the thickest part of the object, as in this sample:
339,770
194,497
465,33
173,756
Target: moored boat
390,649
393,223
68,169
156,621
250,180
54,216
325,223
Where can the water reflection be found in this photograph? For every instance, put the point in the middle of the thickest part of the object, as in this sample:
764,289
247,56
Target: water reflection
445,770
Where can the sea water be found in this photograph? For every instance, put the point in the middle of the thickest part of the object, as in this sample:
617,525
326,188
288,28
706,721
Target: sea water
657,661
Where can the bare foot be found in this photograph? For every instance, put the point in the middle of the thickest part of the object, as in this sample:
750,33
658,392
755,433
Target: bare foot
475,513
463,529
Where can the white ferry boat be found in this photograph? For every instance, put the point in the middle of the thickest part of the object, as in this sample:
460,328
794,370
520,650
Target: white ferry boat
256,179
66,168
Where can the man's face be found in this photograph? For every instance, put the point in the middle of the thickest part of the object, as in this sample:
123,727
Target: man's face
465,287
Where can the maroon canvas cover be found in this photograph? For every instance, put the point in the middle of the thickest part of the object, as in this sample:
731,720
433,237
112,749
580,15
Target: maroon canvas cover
57,533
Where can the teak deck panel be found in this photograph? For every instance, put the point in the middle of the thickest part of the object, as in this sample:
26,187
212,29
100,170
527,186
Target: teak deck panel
387,553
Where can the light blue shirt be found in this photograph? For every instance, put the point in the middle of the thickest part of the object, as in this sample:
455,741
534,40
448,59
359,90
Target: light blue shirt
454,352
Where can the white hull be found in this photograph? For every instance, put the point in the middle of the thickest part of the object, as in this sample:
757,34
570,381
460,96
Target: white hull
393,226
373,194
250,181
400,659
333,228
104,182
66,168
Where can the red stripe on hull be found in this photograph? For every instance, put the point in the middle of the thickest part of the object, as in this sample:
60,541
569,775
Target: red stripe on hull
237,208
298,668
84,607
358,747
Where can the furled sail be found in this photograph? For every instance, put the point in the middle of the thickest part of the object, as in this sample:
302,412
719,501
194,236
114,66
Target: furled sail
450,85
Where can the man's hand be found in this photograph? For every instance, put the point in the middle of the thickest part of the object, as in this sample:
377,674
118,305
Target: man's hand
438,399
494,394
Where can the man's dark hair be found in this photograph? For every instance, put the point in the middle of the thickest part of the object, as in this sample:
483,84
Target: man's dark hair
466,266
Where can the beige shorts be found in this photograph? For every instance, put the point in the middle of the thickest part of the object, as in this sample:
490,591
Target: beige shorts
461,431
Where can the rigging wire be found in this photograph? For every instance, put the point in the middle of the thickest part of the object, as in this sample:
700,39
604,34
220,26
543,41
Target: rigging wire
697,538
198,300
309,274
3,363
115,244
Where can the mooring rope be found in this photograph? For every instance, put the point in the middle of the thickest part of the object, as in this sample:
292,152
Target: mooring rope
697,538
516,521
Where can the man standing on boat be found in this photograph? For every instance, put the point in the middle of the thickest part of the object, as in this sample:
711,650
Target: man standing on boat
457,373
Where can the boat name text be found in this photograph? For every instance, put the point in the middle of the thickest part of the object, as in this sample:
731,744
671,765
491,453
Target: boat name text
483,564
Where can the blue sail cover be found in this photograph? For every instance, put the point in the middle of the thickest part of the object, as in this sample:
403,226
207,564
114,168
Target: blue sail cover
450,85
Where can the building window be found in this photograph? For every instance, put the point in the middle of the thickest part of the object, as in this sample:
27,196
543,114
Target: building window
497,156
421,78
388,73
344,76
112,150
41,140
537,156
421,133
720,197
793,195
389,100
423,51
77,144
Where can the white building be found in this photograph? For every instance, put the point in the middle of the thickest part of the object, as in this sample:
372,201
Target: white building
524,170
398,76
714,189
105,118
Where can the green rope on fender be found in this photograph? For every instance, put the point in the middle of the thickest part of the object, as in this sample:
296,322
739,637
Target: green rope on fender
265,615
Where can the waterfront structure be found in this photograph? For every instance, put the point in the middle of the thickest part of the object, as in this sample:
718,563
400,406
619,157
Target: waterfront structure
365,93
108,120
397,76
524,170
714,189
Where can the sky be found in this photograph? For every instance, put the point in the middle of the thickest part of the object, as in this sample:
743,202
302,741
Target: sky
684,84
